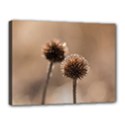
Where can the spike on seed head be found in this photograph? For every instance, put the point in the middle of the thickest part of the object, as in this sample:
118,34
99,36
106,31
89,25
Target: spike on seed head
74,66
55,51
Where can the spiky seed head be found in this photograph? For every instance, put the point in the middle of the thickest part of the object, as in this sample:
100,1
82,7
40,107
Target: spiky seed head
55,50
74,66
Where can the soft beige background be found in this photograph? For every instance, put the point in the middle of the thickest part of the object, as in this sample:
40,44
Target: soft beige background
96,42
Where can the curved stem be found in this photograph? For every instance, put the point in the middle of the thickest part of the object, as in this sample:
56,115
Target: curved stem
46,83
74,90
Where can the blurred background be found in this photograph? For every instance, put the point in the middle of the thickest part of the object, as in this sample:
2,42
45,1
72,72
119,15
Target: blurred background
96,42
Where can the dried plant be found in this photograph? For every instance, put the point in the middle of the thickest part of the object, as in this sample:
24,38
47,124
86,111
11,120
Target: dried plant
55,52
75,67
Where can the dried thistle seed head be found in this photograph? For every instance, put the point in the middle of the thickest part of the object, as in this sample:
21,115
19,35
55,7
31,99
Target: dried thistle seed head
55,50
74,66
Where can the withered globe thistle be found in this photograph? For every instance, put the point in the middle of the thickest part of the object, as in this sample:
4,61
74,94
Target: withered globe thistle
74,66
55,50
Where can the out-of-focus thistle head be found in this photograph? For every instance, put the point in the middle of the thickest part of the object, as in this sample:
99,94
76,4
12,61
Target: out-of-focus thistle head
55,50
74,66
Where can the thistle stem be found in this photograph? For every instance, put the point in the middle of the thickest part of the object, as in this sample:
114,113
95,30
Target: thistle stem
74,90
47,82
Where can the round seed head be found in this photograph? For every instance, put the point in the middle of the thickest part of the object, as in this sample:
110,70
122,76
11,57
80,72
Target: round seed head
55,50
74,66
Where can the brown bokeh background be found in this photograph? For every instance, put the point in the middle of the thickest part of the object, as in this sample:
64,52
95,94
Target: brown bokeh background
96,42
